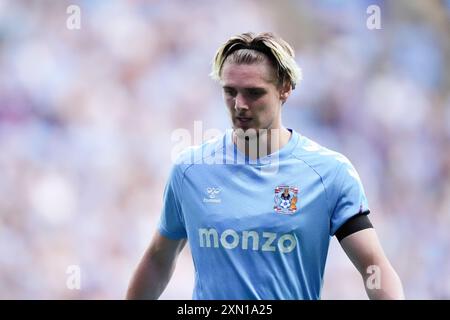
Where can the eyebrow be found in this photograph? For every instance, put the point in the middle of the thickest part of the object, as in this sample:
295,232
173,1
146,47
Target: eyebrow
261,89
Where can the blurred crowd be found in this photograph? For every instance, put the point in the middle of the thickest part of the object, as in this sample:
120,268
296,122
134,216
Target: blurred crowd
86,118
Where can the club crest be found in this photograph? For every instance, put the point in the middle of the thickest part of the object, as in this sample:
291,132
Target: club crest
286,199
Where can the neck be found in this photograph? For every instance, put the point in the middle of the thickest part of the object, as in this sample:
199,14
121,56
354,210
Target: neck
260,143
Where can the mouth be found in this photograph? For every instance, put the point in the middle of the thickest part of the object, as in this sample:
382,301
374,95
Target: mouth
244,119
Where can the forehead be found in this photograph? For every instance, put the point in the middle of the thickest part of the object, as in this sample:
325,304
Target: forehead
259,74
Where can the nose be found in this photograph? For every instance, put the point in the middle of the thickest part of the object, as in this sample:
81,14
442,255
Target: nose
240,103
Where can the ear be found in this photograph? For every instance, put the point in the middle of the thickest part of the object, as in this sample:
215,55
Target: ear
285,91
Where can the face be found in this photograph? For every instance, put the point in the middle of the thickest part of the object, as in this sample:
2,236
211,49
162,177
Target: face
252,96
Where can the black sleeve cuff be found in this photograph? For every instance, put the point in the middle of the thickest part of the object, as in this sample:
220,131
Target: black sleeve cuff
354,224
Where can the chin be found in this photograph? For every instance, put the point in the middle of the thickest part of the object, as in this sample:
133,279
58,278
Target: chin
246,132
244,127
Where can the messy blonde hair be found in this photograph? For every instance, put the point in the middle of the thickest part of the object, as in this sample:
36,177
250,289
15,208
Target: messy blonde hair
248,48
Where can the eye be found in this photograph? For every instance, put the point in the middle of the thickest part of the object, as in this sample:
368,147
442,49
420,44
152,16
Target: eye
255,93
229,92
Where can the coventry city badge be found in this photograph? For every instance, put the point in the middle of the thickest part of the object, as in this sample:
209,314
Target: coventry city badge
286,199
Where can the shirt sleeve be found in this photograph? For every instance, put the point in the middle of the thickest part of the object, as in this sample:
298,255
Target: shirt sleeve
348,196
171,223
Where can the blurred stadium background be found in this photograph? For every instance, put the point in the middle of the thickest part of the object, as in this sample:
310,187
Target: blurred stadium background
86,118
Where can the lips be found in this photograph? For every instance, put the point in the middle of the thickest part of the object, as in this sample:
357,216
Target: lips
244,119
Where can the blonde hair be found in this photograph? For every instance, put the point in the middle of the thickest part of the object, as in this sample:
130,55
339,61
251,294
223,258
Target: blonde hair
248,48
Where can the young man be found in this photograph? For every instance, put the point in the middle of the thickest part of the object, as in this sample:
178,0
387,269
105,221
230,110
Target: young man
259,219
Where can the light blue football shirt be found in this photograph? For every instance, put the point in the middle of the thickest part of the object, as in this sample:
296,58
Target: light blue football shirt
260,230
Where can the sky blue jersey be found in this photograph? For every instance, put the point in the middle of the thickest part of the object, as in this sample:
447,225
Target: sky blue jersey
260,229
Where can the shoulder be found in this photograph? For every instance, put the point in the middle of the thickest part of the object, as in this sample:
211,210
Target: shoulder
333,167
318,157
199,154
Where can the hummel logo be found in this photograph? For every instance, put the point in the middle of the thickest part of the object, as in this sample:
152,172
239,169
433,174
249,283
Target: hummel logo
212,192
213,195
